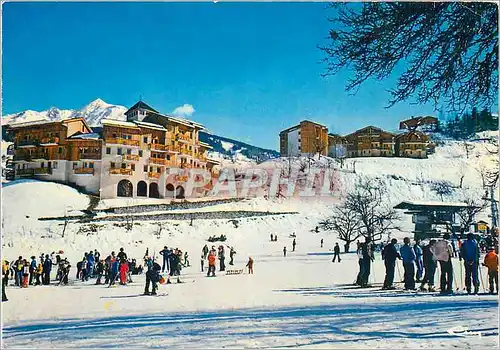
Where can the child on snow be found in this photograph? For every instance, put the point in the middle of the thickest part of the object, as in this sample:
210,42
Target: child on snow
491,262
211,264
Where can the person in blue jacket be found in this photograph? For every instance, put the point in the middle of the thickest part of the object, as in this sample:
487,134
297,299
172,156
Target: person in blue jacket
90,264
115,266
152,276
419,260
389,255
469,252
408,255
32,269
47,267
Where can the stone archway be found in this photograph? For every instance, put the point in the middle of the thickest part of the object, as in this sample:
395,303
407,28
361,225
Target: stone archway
153,190
179,192
170,193
142,189
124,188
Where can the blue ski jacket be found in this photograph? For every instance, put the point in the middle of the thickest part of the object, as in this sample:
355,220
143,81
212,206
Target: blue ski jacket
408,254
469,250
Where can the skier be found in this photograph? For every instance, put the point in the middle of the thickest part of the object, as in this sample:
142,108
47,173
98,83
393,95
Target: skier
469,252
5,278
430,266
284,252
78,269
121,255
152,276
202,261
272,238
389,255
409,257
250,265
442,252
232,252
211,264
90,264
39,273
321,242
32,269
115,270
123,272
186,261
164,253
419,260
84,269
491,262
205,252
276,238
293,245
175,266
336,252
221,259
47,267
99,271
65,267
19,271
26,274
366,251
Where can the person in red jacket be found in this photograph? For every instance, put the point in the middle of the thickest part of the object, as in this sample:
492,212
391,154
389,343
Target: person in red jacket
491,262
211,264
123,272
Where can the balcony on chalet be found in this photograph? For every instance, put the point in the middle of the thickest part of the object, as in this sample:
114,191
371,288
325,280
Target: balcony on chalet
131,157
160,161
49,141
84,171
43,171
120,141
90,155
184,138
27,143
120,171
25,172
154,175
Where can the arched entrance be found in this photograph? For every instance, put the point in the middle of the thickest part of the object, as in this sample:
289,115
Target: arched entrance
179,192
142,189
170,191
153,190
124,189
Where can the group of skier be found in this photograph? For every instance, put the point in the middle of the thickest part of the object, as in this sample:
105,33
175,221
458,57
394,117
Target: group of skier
420,264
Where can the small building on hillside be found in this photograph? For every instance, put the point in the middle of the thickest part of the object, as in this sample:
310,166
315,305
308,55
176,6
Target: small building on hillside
306,138
370,141
413,144
427,124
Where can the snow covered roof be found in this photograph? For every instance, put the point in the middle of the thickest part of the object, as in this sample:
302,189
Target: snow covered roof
34,122
185,121
119,123
87,136
429,204
150,125
141,105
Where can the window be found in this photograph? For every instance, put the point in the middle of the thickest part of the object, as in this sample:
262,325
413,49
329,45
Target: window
85,164
112,165
91,165
168,157
119,151
132,166
158,170
145,168
129,151
124,165
108,150
151,169
145,139
140,153
114,136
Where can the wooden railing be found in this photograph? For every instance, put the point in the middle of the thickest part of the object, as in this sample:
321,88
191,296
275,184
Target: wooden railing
27,143
154,175
134,157
120,171
47,140
90,155
158,147
25,172
84,171
43,171
183,137
120,141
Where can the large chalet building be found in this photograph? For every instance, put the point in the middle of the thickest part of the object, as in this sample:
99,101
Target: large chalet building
369,141
122,159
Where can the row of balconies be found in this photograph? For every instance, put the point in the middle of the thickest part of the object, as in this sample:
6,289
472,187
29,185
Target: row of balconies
33,171
41,142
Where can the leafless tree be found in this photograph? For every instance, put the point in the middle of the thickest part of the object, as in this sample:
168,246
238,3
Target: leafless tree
368,200
467,215
345,223
442,188
468,147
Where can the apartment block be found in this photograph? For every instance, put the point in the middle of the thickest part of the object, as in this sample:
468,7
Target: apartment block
306,138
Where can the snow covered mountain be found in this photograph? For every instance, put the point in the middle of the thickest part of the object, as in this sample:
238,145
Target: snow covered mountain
93,113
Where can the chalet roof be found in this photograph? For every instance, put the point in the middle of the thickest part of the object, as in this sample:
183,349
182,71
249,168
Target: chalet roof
85,136
75,119
119,123
430,205
292,128
206,145
370,127
309,121
31,123
142,105
150,125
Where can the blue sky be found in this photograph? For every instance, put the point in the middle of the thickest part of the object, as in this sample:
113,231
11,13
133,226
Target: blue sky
249,69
